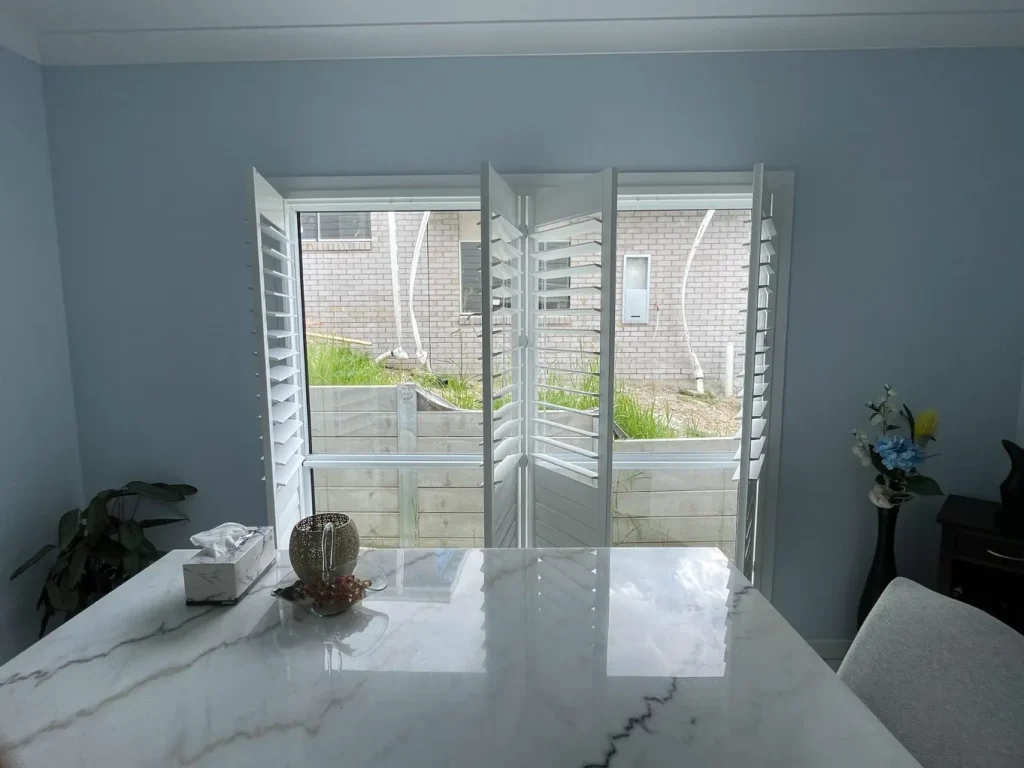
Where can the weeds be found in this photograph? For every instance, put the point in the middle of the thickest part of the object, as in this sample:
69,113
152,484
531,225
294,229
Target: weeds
339,365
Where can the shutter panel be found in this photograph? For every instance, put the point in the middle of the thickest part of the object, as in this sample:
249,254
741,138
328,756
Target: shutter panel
757,373
502,304
570,361
548,302
278,306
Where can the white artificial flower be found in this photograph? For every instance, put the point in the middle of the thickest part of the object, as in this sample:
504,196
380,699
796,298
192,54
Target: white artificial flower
881,497
862,453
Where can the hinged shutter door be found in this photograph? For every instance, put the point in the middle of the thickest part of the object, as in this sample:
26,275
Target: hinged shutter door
570,379
277,304
757,373
503,301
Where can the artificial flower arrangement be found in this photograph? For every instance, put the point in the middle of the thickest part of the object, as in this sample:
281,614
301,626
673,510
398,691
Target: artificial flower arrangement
896,457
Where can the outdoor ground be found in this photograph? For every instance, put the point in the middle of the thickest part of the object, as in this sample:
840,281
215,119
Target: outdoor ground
644,409
709,414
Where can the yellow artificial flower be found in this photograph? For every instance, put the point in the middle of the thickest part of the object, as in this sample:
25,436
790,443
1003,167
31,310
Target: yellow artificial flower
926,424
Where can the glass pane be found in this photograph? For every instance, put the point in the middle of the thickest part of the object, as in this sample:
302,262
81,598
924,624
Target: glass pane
352,225
449,510
636,273
307,226
677,393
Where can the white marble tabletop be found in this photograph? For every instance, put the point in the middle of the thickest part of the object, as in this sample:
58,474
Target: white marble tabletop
532,658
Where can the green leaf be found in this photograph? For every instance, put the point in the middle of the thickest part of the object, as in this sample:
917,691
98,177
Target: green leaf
157,492
923,486
53,593
910,421
131,563
43,552
109,552
162,521
131,534
69,524
46,620
182,488
68,596
77,565
96,517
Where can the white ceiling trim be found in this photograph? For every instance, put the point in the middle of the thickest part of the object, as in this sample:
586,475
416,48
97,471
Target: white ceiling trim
18,35
846,32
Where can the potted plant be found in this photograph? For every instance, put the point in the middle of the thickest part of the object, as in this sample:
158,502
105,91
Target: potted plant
101,547
895,458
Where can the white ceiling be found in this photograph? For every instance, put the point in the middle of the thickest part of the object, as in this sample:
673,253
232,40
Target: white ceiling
150,31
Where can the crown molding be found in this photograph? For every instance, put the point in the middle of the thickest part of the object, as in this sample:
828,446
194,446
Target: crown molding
18,35
527,38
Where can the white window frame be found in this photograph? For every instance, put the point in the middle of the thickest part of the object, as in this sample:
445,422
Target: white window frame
646,257
722,190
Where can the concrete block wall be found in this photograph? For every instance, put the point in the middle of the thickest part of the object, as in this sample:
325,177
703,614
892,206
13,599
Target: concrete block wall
348,292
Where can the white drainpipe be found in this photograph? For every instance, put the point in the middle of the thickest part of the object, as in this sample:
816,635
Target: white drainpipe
421,354
698,372
397,352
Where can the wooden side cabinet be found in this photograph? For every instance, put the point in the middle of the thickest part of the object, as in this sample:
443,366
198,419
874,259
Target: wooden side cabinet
981,563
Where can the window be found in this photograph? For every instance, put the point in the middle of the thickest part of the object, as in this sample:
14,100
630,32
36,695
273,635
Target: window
326,227
470,266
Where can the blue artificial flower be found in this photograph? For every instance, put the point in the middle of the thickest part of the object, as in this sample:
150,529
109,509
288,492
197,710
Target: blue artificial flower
898,452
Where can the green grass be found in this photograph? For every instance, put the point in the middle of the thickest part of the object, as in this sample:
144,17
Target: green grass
638,420
458,389
338,365
329,364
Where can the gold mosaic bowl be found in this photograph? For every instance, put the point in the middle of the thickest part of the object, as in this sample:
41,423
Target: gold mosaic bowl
326,544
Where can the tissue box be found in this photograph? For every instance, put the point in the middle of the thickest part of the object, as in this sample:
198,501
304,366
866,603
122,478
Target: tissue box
224,580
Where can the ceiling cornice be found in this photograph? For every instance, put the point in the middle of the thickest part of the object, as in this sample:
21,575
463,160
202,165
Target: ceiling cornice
989,28
18,35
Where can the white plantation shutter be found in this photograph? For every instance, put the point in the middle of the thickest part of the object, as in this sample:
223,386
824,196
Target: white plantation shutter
548,332
277,303
502,281
757,373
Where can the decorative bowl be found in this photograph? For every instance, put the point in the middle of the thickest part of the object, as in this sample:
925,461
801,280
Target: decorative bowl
348,587
323,545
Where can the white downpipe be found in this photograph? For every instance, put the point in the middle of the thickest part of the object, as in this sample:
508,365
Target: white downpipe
698,372
421,354
396,296
730,368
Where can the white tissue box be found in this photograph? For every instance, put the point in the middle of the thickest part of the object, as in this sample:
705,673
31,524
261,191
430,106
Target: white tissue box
224,580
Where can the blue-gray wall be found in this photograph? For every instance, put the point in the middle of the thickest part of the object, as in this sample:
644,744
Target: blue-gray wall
40,475
906,255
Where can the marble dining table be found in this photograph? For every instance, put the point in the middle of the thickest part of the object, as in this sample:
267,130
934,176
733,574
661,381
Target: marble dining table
469,657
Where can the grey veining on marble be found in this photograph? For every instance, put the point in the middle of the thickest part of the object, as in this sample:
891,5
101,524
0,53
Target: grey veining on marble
623,657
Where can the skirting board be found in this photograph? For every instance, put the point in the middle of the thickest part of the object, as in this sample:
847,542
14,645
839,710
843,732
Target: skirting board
830,650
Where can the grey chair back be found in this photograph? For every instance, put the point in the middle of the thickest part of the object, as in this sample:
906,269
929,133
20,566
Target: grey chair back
946,678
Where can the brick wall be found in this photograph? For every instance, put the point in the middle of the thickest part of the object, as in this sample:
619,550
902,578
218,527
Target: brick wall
348,292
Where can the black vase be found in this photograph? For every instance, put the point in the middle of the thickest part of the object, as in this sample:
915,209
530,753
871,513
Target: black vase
883,566
1011,491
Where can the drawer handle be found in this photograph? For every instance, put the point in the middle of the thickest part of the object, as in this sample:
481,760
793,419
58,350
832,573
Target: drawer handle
1006,557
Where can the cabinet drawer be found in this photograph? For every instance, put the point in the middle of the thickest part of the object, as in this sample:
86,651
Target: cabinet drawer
996,552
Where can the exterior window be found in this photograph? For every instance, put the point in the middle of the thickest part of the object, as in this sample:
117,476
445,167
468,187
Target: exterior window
328,227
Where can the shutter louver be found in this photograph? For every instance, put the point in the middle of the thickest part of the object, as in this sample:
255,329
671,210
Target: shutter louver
757,364
279,320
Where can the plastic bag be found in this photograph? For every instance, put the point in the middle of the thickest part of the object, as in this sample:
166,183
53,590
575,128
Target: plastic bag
220,540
